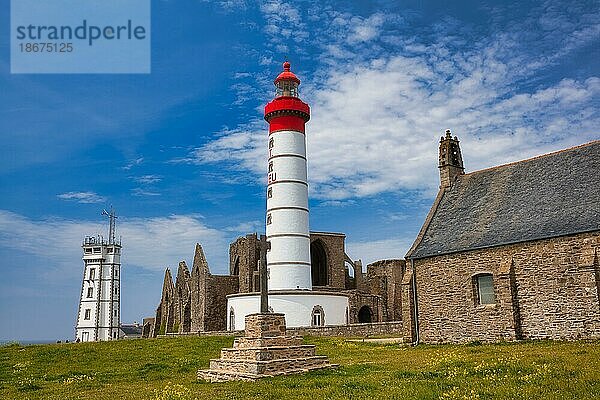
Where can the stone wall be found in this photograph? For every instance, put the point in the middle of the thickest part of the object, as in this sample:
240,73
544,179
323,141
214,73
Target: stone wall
352,330
543,289
217,289
384,279
244,254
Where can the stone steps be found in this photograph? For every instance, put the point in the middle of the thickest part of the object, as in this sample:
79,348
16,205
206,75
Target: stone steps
267,367
268,353
265,351
277,341
226,376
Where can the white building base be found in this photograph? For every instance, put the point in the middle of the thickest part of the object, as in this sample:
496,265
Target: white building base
298,306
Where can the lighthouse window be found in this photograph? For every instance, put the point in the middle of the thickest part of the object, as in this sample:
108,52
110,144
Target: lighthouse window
116,313
116,291
318,316
269,219
88,312
92,273
287,88
88,250
96,250
90,292
109,250
269,193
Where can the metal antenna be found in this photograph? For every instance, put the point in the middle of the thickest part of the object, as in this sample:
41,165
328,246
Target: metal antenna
111,224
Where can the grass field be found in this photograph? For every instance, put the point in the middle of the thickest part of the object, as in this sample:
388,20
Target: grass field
161,369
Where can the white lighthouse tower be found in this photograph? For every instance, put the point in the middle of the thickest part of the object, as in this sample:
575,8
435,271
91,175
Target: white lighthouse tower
287,218
99,312
287,189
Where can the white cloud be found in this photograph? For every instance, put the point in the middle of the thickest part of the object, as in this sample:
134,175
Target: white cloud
149,243
377,116
371,251
82,197
365,29
133,163
147,179
143,192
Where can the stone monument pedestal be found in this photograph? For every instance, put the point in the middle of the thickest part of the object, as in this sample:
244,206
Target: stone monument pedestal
264,351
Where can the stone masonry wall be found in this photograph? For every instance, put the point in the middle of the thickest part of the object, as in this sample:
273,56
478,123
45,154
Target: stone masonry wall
384,279
351,330
244,254
543,289
217,289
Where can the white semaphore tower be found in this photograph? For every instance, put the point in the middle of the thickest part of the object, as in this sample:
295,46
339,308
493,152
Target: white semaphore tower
287,219
99,312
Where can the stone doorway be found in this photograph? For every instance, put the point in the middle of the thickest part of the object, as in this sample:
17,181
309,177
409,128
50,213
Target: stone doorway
365,314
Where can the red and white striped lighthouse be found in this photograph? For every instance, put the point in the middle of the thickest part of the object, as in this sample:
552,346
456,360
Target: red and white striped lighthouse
288,261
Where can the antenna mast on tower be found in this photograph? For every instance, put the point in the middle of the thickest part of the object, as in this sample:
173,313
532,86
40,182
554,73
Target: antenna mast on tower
111,224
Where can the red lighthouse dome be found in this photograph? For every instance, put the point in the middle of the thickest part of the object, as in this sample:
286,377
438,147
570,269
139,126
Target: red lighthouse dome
287,111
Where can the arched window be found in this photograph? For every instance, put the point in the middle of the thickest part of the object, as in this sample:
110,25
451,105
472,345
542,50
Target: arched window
365,314
318,261
483,289
236,266
318,316
231,320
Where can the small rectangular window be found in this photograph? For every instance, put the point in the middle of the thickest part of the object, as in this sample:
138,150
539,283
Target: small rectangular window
116,313
88,250
90,292
116,291
109,250
116,272
96,250
88,312
485,289
92,273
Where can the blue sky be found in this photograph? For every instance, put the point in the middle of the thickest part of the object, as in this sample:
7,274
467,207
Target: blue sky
180,153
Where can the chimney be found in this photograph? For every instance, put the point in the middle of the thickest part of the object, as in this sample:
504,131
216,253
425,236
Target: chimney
451,162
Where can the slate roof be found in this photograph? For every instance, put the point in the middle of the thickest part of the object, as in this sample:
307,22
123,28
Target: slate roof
552,195
132,330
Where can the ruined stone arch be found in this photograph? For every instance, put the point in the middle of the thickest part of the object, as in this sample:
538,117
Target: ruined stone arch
365,314
318,261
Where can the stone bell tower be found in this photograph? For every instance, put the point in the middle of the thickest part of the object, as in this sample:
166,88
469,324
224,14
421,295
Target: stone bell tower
450,162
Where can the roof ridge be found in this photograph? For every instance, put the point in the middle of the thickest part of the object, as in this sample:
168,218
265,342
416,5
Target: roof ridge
553,153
